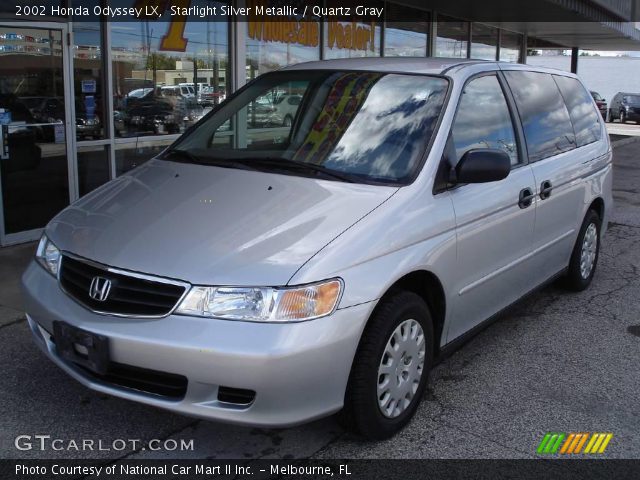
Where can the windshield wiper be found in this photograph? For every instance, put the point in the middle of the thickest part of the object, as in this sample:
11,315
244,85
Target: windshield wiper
286,164
185,155
189,157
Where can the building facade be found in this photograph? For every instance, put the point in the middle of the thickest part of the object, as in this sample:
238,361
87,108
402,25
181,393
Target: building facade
82,102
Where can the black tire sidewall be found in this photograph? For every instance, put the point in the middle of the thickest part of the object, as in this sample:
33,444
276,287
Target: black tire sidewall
362,399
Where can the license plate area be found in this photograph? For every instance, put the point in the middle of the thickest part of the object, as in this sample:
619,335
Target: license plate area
87,349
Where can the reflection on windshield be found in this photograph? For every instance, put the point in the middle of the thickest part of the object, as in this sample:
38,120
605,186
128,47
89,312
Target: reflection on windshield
369,125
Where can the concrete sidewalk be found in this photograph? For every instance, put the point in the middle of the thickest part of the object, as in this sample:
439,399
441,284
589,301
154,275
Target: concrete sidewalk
13,261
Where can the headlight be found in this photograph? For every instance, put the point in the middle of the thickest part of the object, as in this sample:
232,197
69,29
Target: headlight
263,304
48,255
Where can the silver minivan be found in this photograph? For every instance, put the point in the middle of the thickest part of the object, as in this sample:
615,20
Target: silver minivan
269,275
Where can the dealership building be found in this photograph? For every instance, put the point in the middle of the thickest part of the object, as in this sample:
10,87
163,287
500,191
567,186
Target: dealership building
79,96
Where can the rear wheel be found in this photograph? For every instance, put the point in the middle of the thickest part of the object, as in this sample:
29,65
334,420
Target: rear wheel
585,254
623,116
287,121
391,366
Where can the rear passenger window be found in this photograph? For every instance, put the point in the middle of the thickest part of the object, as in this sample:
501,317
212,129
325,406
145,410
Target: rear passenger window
545,119
581,110
483,119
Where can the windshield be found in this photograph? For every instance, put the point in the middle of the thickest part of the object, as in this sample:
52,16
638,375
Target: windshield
597,97
633,99
367,127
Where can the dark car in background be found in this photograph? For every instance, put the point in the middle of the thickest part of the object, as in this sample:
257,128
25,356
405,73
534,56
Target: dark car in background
153,115
600,102
624,107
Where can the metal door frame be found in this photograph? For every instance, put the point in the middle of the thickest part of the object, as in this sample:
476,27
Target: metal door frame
67,80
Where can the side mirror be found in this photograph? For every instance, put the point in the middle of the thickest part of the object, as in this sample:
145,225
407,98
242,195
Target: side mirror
482,165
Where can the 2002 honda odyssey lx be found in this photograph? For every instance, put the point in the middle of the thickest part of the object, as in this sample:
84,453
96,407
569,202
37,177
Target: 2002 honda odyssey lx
272,274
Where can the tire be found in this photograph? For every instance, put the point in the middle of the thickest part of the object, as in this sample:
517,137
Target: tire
578,275
403,314
287,121
608,117
623,116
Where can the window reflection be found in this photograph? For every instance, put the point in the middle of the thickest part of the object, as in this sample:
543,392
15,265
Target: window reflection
510,45
484,42
583,114
402,38
545,119
370,125
165,79
33,163
274,43
483,119
93,167
453,37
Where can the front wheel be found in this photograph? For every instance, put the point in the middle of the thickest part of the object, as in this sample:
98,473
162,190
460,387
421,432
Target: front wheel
623,117
391,367
585,254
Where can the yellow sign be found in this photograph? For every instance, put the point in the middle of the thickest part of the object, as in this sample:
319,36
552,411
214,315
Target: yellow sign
174,39
301,33
351,36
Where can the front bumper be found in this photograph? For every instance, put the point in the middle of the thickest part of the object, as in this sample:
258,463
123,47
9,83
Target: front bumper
299,371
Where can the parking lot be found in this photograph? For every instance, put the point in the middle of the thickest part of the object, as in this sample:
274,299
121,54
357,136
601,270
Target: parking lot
555,362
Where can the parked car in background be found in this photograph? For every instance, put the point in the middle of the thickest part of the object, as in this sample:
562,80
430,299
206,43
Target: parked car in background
87,125
625,107
52,110
286,106
600,102
156,115
273,276
209,96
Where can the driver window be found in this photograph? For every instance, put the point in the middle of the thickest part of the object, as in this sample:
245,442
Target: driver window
483,119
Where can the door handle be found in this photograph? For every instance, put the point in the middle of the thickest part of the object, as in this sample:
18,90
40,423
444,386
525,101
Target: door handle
545,189
526,198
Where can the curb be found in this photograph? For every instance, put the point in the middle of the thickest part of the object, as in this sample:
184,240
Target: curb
624,141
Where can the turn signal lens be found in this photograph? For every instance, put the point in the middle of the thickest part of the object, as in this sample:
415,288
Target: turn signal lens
312,301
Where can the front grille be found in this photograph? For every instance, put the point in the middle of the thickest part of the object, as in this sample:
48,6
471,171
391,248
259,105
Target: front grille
129,295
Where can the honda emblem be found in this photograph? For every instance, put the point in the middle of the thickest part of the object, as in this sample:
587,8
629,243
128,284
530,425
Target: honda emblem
100,288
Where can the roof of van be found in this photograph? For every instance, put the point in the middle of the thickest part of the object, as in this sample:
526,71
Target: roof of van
388,64
423,65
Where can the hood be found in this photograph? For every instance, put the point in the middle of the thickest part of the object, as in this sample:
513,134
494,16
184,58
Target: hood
209,225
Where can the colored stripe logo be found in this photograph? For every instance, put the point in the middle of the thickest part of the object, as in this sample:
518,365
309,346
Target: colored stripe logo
574,443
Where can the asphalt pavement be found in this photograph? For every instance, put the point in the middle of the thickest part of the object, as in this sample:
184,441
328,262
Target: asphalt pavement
556,362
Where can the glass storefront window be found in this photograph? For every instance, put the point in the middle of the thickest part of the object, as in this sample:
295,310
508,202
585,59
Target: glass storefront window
273,44
484,42
93,167
167,74
88,81
402,38
33,157
351,37
453,37
130,155
510,45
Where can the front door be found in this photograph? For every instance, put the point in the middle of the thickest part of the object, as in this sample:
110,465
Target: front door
494,221
34,122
